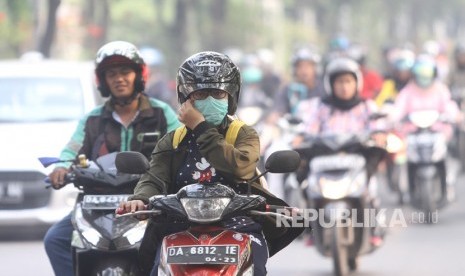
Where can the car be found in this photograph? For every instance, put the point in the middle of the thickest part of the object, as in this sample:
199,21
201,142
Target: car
41,101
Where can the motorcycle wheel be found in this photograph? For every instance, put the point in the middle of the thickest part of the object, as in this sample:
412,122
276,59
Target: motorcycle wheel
339,252
116,269
353,264
429,189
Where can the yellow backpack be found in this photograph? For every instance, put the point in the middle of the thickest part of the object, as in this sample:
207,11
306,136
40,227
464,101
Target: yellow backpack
231,136
231,133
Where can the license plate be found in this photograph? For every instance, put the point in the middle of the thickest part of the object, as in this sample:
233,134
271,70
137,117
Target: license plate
11,192
103,201
208,254
425,139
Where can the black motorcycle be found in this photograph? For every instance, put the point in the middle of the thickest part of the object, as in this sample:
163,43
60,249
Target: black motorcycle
101,244
206,247
339,171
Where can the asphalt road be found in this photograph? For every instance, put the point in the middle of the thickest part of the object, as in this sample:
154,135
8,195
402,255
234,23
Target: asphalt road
418,249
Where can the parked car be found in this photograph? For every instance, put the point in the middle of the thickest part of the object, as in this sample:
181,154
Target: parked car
41,102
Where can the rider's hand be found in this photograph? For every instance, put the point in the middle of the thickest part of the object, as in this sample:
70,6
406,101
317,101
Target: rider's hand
57,177
132,206
297,141
189,115
380,139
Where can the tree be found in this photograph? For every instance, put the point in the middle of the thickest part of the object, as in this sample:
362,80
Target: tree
46,40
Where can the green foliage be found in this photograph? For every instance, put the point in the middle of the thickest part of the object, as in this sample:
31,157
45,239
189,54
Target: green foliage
16,26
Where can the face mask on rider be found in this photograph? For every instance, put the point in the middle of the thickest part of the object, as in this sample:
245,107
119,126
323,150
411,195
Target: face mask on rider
214,110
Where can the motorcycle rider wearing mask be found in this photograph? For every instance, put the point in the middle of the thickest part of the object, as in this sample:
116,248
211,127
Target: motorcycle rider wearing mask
118,125
426,92
208,88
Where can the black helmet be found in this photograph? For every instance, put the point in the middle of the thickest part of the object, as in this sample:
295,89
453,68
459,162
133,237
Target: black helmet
339,66
209,70
119,53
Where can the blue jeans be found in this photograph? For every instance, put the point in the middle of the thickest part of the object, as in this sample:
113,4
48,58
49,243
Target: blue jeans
57,243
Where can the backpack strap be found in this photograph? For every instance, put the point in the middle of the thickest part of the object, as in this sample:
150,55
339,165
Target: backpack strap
179,134
231,133
233,130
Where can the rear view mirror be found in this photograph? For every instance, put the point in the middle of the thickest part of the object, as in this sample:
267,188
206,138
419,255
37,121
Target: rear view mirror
131,162
283,161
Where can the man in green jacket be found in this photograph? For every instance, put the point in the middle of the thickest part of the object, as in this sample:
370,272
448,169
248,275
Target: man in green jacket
118,125
208,87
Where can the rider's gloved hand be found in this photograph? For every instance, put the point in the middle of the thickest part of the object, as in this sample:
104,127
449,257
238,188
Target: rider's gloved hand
57,177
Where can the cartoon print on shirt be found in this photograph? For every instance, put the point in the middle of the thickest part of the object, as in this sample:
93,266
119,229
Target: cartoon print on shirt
206,171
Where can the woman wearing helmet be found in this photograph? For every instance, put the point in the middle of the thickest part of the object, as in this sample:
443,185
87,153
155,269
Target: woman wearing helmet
341,111
342,103
208,87
118,125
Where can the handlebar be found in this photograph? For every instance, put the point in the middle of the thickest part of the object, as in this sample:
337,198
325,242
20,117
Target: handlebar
69,178
137,213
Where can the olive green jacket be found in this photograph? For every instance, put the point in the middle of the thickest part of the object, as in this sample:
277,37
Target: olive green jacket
235,163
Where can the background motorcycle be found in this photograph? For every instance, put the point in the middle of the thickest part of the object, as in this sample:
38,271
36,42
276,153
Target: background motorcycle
426,157
101,244
338,182
284,186
206,247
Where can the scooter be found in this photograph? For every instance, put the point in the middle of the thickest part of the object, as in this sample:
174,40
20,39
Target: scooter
340,167
426,161
206,247
102,245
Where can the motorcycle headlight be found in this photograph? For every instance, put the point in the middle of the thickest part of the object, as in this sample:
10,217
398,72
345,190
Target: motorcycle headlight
334,189
205,209
394,143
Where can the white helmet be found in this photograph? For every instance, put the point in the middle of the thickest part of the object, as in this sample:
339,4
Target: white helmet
342,65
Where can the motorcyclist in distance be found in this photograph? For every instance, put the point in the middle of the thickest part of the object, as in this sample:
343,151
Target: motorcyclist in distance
306,83
400,62
426,92
341,111
118,125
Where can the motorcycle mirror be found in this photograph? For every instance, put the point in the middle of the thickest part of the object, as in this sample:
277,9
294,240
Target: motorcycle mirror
131,162
283,161
134,162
